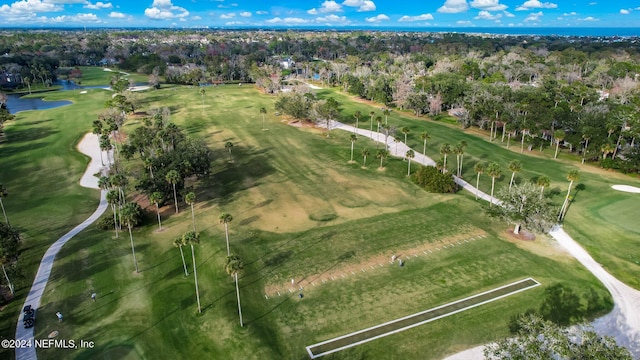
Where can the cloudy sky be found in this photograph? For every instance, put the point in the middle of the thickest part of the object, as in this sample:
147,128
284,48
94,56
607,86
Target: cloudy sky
330,13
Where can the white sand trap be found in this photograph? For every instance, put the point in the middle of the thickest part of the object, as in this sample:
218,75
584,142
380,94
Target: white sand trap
626,188
83,92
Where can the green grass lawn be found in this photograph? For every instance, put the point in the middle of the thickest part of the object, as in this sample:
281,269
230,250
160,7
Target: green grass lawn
300,209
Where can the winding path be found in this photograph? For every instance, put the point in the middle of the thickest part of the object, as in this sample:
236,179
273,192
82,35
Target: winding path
89,145
623,323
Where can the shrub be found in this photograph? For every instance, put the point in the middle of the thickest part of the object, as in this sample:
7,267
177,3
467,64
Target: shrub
434,181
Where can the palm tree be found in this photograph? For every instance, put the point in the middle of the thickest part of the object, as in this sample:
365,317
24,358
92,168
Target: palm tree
379,121
357,115
156,197
460,153
173,177
381,154
365,153
190,199
225,219
606,148
572,176
371,115
493,169
479,169
387,130
104,183
445,150
409,155
424,136
543,182
353,139
105,145
514,166
396,140
559,136
3,194
386,113
263,111
130,213
229,146
119,181
202,91
179,243
233,267
405,130
113,199
190,238
586,138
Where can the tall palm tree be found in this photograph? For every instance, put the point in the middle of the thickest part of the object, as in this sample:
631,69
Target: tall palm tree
371,115
365,153
190,199
387,130
104,183
379,121
381,154
353,138
263,111
130,213
105,145
202,91
606,148
3,194
586,138
572,176
514,166
493,169
459,148
113,199
173,177
386,113
479,169
233,267
558,136
543,182
225,219
409,155
424,136
357,115
405,130
445,150
396,140
119,181
179,243
156,197
191,238
229,146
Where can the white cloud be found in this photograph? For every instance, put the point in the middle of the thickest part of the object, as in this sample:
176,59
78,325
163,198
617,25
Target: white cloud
233,23
508,14
377,18
422,17
117,15
534,16
78,18
489,5
164,10
66,1
288,20
99,5
362,5
28,8
625,11
228,16
330,6
260,12
312,11
333,19
589,18
573,13
453,6
464,22
196,17
245,14
536,4
485,15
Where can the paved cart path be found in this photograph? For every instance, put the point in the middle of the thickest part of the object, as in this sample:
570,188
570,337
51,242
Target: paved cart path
90,146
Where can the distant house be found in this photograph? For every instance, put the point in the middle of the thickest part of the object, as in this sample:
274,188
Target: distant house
9,80
287,63
107,61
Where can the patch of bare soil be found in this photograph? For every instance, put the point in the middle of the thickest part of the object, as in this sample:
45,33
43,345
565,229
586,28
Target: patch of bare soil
524,235
370,264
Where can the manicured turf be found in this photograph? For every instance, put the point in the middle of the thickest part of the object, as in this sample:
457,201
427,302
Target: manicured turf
300,209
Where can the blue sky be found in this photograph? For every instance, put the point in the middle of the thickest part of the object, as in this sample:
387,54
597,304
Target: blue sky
330,13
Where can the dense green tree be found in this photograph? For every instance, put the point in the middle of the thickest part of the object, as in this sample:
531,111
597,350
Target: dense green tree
435,181
522,206
9,245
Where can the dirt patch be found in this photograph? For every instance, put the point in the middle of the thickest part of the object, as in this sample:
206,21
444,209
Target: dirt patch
373,263
524,235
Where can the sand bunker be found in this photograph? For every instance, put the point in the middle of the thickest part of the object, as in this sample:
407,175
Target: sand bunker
626,188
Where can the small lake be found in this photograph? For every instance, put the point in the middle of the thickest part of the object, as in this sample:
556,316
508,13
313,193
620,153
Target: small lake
17,103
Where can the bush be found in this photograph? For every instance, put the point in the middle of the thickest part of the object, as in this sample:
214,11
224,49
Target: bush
105,222
434,181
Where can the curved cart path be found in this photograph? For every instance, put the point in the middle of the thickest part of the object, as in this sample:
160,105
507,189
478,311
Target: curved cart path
623,323
89,145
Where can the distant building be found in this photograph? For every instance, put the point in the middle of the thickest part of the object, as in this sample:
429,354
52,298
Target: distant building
287,63
9,80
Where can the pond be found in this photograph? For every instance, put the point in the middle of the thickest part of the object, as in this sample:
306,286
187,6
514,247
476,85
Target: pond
17,103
